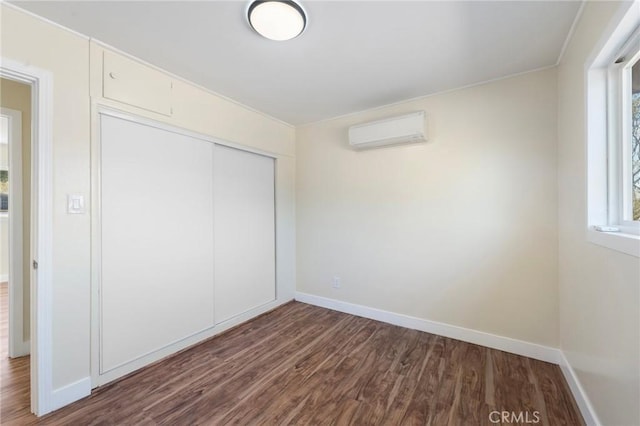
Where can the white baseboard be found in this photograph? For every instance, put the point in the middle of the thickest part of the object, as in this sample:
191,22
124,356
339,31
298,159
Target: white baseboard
507,344
82,388
70,393
22,349
584,404
4,278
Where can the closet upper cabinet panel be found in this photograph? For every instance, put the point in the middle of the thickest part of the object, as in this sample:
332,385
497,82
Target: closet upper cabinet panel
133,83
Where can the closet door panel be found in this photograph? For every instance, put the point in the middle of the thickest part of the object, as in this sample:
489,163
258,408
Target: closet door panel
244,231
156,239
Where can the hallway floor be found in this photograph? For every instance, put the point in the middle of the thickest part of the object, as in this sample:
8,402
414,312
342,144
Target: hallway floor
14,374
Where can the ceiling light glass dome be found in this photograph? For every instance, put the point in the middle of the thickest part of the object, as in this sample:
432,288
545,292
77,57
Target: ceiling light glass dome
277,19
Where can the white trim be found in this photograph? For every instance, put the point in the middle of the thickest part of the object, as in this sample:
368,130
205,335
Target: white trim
4,278
571,32
71,393
624,243
604,174
614,37
43,19
96,245
103,109
17,347
619,138
427,96
506,344
41,82
584,404
597,151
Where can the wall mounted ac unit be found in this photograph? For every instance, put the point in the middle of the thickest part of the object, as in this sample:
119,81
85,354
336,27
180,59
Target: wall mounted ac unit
408,128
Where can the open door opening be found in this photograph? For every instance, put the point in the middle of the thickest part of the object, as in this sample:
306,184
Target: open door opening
40,365
15,244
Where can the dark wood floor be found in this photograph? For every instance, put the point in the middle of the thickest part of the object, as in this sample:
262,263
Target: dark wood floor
14,373
304,365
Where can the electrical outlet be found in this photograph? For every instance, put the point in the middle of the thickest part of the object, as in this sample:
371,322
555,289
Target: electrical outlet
337,283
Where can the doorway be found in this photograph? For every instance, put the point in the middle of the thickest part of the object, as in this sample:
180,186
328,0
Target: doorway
40,365
15,206
15,246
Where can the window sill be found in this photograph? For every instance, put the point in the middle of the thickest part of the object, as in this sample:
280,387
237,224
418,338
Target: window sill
625,243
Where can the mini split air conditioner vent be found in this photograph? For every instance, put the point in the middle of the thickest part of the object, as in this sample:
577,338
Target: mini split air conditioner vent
410,128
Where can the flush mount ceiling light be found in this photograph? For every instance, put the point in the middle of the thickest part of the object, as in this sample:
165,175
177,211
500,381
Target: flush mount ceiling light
277,19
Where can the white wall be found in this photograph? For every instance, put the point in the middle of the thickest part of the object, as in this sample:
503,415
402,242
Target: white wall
66,55
599,287
460,230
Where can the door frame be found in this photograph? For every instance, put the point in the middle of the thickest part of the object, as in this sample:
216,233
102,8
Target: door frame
41,303
17,345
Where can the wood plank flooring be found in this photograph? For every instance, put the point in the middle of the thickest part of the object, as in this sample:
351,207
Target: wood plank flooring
302,365
15,400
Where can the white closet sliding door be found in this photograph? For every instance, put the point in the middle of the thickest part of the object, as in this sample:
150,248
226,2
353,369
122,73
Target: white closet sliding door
157,239
244,212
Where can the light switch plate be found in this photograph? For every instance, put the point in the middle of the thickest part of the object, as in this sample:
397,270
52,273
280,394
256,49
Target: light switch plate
75,204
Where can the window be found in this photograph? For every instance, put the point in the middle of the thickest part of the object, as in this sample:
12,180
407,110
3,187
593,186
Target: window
624,137
613,138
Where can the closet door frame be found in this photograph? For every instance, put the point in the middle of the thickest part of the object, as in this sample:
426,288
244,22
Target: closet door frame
112,109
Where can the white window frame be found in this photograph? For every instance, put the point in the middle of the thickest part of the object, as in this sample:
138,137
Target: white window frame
608,88
619,140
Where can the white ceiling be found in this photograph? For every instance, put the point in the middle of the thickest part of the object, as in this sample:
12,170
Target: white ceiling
354,55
